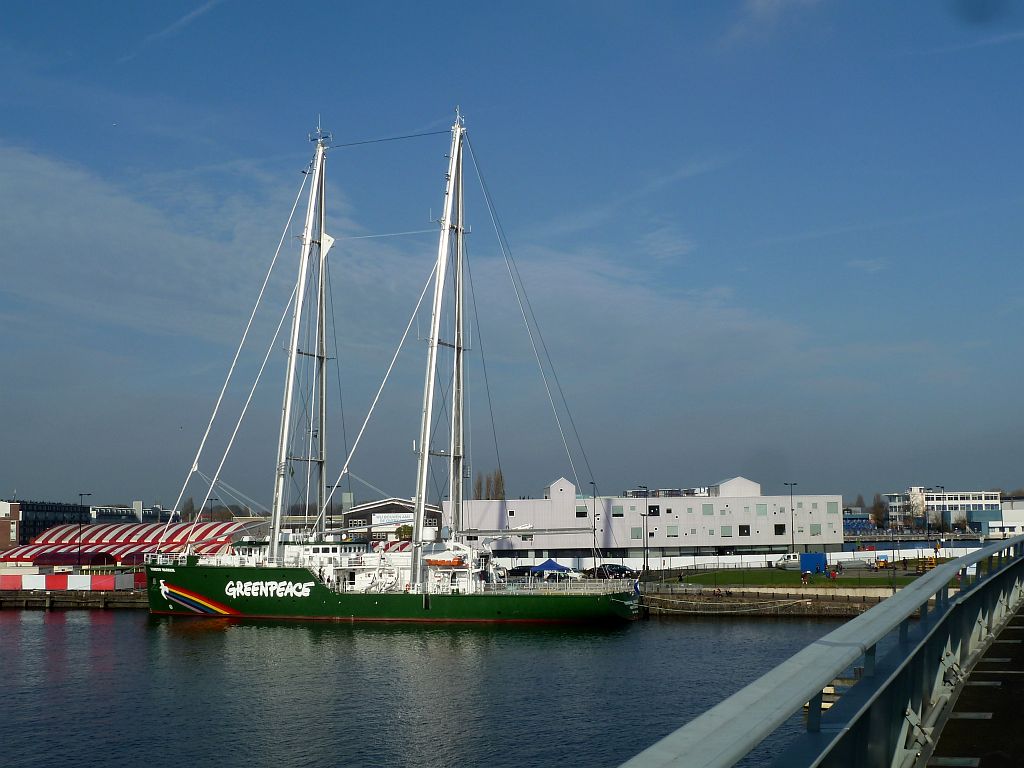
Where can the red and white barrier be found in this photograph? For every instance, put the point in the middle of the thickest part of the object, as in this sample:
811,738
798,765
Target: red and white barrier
60,582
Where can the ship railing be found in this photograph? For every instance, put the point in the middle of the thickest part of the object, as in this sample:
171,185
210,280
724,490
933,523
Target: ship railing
582,586
164,558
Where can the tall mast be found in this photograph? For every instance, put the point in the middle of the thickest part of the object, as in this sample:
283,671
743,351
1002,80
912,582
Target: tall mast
312,234
448,226
456,451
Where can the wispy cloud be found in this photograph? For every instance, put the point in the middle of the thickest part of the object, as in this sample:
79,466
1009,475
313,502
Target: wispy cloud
171,29
868,265
991,41
595,216
763,17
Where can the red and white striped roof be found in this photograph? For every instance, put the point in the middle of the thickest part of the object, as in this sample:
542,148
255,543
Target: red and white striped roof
122,540
392,546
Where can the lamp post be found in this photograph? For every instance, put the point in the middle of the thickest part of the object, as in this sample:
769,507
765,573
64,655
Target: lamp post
81,503
792,519
593,526
211,500
647,493
942,509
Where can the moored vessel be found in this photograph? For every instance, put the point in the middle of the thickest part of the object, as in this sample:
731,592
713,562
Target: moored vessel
435,576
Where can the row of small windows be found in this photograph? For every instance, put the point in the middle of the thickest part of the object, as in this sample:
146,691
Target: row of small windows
654,510
672,531
963,497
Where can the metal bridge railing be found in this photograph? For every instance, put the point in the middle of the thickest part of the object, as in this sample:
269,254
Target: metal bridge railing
892,715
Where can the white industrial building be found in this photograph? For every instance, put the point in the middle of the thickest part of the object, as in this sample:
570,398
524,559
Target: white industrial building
921,507
666,525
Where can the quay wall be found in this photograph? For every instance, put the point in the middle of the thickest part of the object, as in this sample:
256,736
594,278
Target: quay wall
755,601
72,600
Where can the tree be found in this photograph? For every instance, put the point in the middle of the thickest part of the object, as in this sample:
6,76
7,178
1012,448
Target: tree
879,511
188,512
499,484
404,532
859,503
478,486
489,486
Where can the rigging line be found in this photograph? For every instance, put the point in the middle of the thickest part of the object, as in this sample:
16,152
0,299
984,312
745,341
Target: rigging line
250,502
389,138
248,400
483,365
368,484
388,234
543,343
337,366
502,243
245,334
376,397
222,489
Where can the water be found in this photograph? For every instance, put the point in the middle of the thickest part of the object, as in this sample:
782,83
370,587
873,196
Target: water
80,687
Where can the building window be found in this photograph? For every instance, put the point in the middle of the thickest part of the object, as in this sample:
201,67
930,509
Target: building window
832,508
780,529
653,510
511,513
673,532
799,505
814,505
744,530
815,529
727,530
762,510
636,533
707,509
693,531
617,511
711,531
581,511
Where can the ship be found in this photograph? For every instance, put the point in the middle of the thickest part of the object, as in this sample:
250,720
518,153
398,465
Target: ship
438,574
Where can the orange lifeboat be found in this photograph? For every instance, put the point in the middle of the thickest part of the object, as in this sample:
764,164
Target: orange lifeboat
446,561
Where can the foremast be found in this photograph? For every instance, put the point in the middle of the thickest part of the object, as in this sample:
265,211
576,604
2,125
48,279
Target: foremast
451,230
314,241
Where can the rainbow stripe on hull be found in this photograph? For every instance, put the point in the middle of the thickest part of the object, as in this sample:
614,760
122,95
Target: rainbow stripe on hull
193,601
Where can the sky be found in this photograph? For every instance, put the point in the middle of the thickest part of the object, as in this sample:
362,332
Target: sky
771,238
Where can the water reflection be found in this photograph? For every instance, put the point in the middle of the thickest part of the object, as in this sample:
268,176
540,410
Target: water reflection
222,692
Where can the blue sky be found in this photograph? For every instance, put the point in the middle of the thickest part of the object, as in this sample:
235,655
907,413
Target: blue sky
777,238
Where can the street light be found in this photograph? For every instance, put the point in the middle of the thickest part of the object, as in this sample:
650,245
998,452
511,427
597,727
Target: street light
211,499
792,519
593,495
81,503
647,494
942,518
330,514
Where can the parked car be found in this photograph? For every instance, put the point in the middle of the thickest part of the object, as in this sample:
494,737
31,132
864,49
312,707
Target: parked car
518,573
610,571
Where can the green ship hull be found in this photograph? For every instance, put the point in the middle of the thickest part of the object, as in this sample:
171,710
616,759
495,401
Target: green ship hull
295,593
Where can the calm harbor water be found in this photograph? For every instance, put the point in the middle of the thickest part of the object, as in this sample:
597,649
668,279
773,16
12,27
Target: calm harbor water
80,687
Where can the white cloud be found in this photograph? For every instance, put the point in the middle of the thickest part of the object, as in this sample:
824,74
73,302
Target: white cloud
171,29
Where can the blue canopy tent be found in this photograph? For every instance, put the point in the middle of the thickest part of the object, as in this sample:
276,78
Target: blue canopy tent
549,566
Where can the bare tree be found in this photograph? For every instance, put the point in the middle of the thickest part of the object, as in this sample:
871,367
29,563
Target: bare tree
879,511
478,486
499,484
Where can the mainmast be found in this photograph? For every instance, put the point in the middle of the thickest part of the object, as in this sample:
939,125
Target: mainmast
451,225
313,237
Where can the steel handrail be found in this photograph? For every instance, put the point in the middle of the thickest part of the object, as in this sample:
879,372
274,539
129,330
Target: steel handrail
729,731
